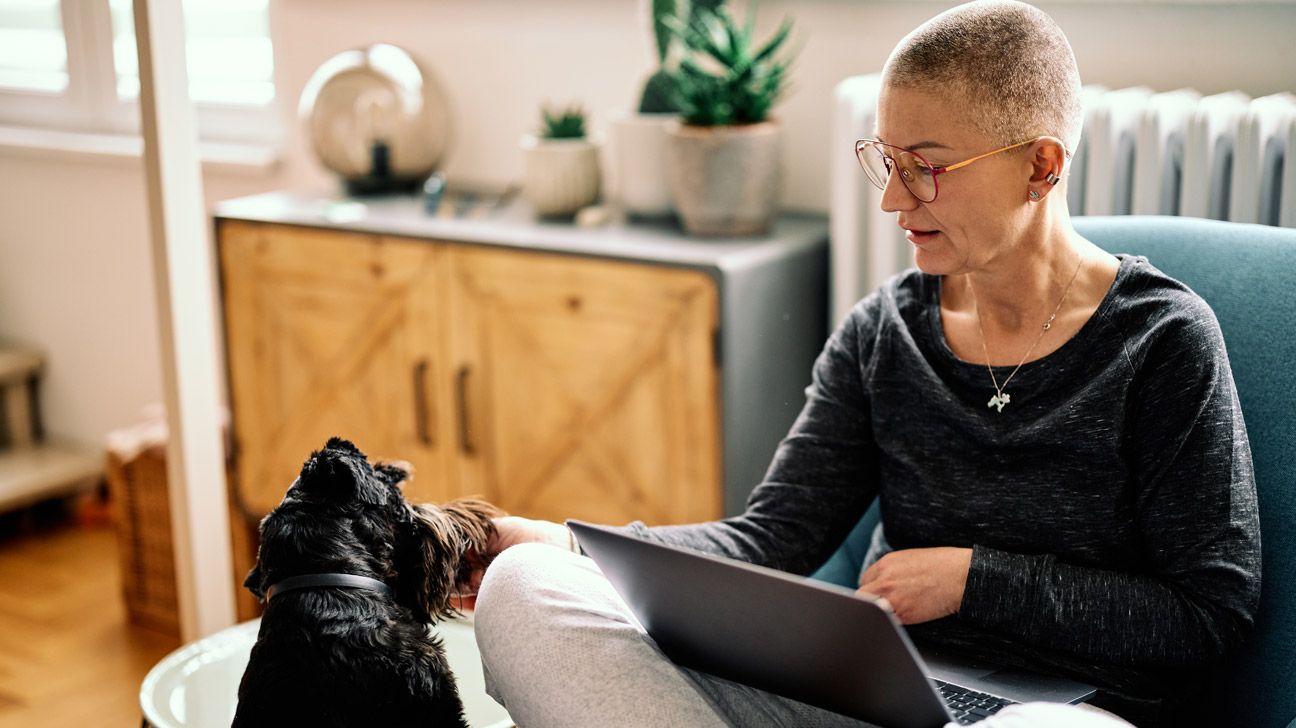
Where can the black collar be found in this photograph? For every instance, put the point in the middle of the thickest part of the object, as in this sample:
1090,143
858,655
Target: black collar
314,581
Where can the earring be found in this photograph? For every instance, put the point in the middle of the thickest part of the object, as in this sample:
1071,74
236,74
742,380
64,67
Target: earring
1052,178
1034,196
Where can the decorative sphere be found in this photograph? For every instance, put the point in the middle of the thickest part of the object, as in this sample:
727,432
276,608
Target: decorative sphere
376,94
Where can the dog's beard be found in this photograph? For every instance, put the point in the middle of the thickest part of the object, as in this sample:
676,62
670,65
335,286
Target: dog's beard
451,536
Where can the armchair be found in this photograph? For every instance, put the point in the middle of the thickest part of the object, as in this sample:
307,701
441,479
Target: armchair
1247,274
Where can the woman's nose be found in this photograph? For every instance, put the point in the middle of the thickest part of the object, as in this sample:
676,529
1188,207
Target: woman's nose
895,196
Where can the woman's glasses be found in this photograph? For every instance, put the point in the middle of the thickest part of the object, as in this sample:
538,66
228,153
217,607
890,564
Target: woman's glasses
919,176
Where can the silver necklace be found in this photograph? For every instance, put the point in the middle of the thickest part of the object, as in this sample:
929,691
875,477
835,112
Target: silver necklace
1001,397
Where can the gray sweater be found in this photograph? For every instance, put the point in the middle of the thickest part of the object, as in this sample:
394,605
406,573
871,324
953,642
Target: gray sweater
1110,506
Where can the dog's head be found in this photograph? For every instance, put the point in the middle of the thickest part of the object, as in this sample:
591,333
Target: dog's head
344,515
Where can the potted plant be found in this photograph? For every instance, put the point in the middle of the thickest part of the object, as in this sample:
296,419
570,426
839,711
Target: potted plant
724,154
561,168
639,137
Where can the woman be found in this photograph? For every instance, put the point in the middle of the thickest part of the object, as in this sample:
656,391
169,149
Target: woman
1052,430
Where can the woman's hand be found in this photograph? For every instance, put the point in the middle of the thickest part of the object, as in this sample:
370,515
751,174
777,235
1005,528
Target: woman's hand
509,531
919,584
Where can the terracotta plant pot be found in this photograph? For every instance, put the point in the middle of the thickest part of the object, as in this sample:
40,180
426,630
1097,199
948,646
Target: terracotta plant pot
725,179
639,143
561,175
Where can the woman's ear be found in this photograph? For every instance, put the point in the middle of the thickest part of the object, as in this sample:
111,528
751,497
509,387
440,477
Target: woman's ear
1048,165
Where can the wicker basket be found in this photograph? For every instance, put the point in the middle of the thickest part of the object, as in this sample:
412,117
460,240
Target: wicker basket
137,483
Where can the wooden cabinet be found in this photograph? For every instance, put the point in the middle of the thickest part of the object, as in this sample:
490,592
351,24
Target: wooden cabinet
612,375
552,386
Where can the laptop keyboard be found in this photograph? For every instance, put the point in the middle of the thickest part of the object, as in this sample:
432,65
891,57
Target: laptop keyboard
969,706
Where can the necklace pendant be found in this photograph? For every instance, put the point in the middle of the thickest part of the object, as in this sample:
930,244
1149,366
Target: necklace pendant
999,400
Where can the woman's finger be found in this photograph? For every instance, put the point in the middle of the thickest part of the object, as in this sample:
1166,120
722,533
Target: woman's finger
877,599
869,574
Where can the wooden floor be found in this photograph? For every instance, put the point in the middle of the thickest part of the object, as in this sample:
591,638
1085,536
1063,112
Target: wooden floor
68,658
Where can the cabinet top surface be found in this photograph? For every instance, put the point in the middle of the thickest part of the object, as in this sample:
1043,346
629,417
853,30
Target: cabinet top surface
515,227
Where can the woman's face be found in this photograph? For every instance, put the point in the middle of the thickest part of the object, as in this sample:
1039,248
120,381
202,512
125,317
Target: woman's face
979,211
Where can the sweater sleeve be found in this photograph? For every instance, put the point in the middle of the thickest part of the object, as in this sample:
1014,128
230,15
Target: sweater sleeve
823,475
1194,490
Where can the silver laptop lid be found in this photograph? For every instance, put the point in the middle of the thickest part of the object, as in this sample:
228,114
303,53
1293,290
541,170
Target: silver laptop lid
816,643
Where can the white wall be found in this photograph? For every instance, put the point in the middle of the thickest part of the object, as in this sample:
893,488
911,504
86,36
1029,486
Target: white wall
73,252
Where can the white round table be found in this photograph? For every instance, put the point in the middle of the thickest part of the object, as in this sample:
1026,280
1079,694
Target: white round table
197,685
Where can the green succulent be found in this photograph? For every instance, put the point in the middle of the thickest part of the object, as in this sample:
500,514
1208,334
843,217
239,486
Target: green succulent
660,94
566,123
724,78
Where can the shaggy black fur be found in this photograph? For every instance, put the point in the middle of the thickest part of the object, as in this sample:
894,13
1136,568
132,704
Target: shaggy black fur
334,657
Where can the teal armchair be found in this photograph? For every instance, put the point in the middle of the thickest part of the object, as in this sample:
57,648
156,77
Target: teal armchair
1247,273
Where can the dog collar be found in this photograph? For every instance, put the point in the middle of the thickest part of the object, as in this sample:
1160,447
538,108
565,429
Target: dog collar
315,581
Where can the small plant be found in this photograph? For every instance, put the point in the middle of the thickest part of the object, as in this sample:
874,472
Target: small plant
723,78
660,93
566,123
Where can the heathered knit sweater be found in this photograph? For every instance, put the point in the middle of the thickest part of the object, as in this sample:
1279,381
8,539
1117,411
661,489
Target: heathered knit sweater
1110,506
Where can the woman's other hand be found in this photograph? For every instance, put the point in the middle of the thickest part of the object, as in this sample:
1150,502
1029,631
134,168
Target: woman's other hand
509,531
919,584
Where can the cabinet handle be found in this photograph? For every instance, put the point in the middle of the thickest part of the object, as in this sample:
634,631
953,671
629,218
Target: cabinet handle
421,425
461,396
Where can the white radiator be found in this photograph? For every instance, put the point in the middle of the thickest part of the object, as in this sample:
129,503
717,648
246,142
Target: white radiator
1226,157
1264,142
1158,166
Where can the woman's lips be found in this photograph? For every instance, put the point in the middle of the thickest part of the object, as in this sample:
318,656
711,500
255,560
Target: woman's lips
918,237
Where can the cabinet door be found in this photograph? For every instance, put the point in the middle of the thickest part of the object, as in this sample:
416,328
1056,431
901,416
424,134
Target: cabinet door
585,389
328,334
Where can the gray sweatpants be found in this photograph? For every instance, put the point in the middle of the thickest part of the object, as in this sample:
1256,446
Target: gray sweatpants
560,648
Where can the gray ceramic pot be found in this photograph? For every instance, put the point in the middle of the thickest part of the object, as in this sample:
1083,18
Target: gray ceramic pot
639,144
725,179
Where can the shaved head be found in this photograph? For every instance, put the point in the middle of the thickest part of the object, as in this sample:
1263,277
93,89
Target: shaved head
1007,60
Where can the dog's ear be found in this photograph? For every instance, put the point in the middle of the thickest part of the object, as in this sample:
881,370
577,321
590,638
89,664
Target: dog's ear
450,540
339,472
343,445
474,520
394,472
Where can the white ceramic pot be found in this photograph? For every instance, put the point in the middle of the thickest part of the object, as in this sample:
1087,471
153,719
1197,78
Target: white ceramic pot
725,179
639,143
561,175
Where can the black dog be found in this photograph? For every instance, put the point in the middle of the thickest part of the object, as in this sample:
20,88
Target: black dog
352,576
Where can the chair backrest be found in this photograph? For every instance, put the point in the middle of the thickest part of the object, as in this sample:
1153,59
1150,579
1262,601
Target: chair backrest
1246,274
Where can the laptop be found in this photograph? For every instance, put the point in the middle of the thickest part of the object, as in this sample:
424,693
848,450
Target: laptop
817,643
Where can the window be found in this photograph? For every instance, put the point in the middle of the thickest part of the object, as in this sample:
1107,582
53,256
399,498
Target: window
228,49
32,54
72,65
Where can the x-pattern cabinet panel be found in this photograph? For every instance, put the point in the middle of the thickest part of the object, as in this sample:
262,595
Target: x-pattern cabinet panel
594,383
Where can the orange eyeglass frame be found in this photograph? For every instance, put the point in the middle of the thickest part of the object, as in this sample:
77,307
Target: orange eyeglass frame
938,170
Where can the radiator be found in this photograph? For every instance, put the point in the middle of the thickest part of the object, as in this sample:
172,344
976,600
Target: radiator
1224,156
